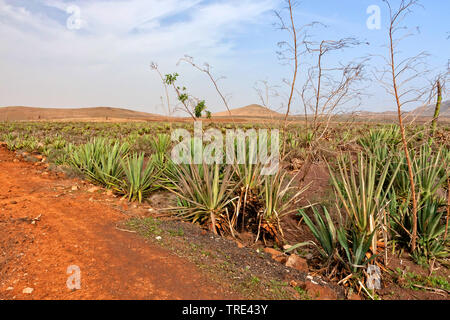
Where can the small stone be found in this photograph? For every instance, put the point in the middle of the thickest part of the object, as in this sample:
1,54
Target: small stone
276,255
318,292
74,188
28,290
272,251
295,262
354,296
158,238
9,288
280,258
93,189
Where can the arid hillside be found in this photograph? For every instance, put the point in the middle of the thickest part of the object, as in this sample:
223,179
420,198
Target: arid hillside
91,114
250,111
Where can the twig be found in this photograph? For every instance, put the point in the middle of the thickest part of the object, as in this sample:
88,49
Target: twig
124,230
441,292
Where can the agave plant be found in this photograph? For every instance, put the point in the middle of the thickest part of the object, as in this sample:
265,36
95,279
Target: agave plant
109,169
161,144
431,228
250,180
204,193
362,193
388,136
323,230
430,172
355,248
100,161
279,195
141,179
429,169
85,157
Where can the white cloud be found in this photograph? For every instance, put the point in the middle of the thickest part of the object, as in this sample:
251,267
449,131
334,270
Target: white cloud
117,37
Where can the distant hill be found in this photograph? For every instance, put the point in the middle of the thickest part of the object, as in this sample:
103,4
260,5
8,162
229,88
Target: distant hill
428,111
425,113
250,111
97,113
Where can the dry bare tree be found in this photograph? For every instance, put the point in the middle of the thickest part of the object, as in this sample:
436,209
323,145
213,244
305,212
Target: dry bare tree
291,50
403,84
330,88
214,80
154,66
265,92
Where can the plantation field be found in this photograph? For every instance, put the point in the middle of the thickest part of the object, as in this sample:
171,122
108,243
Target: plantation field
339,202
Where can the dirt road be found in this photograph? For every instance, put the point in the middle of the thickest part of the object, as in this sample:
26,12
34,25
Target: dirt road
76,227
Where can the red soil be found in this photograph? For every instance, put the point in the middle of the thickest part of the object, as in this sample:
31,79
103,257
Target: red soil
76,229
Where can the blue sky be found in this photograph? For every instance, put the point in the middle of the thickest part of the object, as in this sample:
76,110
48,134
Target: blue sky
106,61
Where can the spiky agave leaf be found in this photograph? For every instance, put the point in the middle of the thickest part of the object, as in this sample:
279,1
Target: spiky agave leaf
141,179
323,230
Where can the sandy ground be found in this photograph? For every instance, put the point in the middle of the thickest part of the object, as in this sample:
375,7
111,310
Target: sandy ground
75,229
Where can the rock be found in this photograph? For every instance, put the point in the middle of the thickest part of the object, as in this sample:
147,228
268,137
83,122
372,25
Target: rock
272,251
296,164
74,188
240,245
276,255
28,290
355,296
287,247
295,262
93,189
9,288
280,258
319,292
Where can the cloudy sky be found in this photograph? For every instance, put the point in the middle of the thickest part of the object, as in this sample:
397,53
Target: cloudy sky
84,53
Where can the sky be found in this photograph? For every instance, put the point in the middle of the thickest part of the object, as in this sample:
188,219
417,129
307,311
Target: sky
86,53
